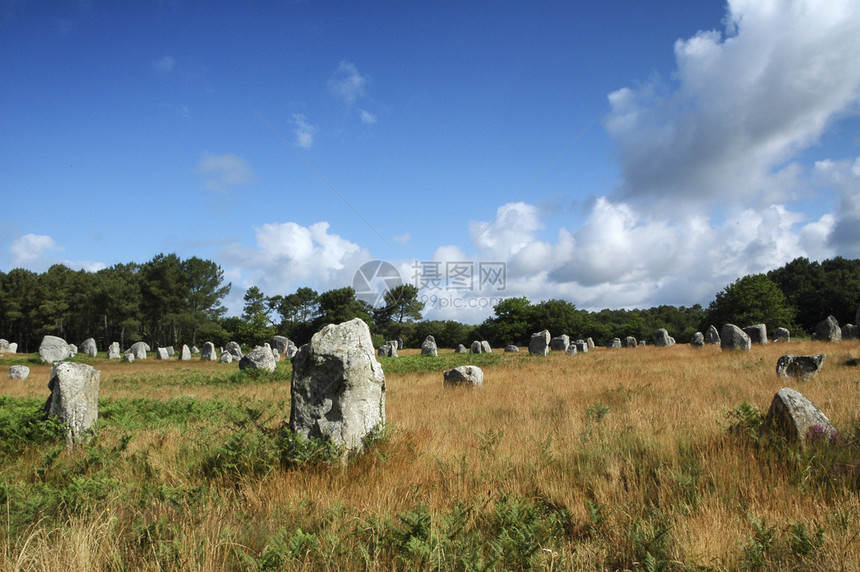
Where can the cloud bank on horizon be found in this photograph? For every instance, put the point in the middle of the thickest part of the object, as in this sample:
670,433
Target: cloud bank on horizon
721,173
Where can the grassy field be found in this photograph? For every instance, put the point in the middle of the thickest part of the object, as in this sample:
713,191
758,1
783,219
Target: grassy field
641,459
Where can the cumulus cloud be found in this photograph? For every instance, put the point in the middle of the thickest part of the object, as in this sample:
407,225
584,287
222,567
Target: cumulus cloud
844,178
742,105
29,250
289,255
223,172
347,84
303,130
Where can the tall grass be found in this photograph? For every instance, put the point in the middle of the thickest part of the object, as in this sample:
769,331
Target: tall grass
641,459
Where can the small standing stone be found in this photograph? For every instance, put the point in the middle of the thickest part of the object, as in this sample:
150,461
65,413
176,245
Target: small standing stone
113,351
828,330
539,343
74,399
139,350
797,418
712,337
476,347
185,353
614,344
226,357
804,367
461,349
208,352
757,334
698,340
162,353
234,349
629,342
53,349
511,349
258,358
88,347
663,339
782,335
468,375
560,343
19,372
734,338
428,347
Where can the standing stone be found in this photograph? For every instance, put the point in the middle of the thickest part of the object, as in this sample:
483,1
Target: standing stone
185,353
388,349
399,342
226,357
461,349
828,330
258,358
712,337
629,342
195,350
614,344
113,351
798,419
511,349
170,350
698,340
468,375
338,387
590,343
782,335
208,352
485,345
476,347
13,347
4,346
128,356
571,350
560,343
581,346
19,372
662,339
234,349
162,353
74,349
539,343
757,334
734,338
139,349
280,343
74,399
88,347
850,332
642,343
54,349
428,348
804,367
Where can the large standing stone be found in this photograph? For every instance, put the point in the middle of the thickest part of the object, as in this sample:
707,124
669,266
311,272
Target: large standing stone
259,358
208,353
804,367
468,375
782,335
74,399
560,343
757,333
114,351
828,330
54,349
234,349
19,372
798,419
698,340
338,387
476,347
139,349
485,345
185,353
712,336
663,339
539,343
734,338
88,347
428,348
162,353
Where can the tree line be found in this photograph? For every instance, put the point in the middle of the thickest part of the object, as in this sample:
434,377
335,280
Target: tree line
171,301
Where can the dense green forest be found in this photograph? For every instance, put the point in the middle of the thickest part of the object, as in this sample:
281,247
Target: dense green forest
171,301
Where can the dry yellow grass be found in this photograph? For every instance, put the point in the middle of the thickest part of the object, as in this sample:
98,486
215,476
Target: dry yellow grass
637,434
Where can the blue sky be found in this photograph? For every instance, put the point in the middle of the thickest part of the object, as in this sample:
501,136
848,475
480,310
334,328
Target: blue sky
615,154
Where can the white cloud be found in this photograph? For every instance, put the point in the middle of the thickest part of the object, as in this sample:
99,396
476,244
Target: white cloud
367,117
164,65
223,172
844,178
347,84
31,250
740,107
303,130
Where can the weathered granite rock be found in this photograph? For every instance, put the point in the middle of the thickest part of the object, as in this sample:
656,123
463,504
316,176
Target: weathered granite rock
195,350
461,349
388,349
234,349
797,419
476,347
467,375
128,357
280,343
208,353
581,346
13,348
54,349
170,350
850,332
139,349
114,351
511,349
757,333
782,335
185,353
629,342
485,346
258,358
560,343
74,349
4,346
88,347
614,344
19,372
712,337
828,330
571,350
662,339
74,399
539,343
734,338
804,367
590,343
226,357
698,340
338,387
162,353
428,347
